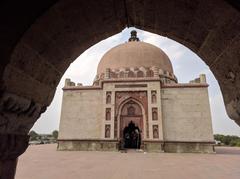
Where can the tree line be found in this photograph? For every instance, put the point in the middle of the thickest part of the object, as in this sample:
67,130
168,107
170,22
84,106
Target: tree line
35,136
229,140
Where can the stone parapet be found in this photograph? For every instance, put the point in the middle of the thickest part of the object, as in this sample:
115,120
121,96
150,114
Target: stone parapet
133,72
185,85
200,79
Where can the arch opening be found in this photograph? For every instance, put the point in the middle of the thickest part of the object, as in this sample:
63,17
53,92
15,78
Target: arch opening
46,52
27,90
132,121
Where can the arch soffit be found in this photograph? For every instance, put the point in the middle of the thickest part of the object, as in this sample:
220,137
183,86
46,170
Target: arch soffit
38,49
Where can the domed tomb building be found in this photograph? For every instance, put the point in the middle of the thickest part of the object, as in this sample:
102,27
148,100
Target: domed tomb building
136,102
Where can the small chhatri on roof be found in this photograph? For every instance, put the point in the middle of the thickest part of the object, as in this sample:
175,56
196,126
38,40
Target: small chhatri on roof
133,36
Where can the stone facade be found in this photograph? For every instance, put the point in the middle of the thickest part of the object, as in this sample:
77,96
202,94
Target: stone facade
33,40
134,106
186,114
178,120
81,115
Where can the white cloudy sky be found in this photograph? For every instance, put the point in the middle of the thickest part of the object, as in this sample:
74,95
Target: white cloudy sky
186,64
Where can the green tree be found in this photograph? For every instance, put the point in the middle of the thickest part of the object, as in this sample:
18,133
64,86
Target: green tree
33,135
55,134
228,140
238,144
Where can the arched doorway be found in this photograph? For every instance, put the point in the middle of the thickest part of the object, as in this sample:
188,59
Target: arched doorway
131,125
45,29
131,136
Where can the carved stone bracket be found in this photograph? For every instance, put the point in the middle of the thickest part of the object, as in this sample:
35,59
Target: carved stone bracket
18,114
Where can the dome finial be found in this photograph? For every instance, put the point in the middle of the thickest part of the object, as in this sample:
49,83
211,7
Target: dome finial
133,36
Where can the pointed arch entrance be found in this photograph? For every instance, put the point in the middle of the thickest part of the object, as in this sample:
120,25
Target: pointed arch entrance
131,124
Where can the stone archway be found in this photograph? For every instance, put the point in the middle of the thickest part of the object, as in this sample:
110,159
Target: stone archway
121,111
39,40
131,114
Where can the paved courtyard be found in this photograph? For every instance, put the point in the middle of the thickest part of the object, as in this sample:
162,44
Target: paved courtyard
44,162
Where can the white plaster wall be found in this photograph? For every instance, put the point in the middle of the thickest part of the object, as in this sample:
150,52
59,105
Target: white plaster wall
186,114
81,115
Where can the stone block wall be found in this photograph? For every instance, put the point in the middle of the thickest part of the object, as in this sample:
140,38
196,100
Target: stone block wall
81,115
186,114
88,145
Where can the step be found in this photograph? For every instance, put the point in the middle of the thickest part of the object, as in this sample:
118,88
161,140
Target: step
133,151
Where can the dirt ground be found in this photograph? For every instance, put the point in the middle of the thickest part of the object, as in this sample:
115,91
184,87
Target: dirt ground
44,162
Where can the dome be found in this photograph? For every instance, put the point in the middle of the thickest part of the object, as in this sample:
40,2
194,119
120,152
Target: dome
134,54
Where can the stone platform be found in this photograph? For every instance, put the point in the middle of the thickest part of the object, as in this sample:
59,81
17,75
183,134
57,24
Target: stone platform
44,162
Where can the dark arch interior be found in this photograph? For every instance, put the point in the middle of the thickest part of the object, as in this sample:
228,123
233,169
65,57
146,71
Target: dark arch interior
131,125
39,40
132,136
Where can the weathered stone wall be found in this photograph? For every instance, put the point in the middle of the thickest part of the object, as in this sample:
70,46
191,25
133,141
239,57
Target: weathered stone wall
183,120
34,34
189,147
88,145
81,115
81,106
186,114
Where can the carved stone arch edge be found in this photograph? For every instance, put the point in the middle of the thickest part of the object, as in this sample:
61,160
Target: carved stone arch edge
118,114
